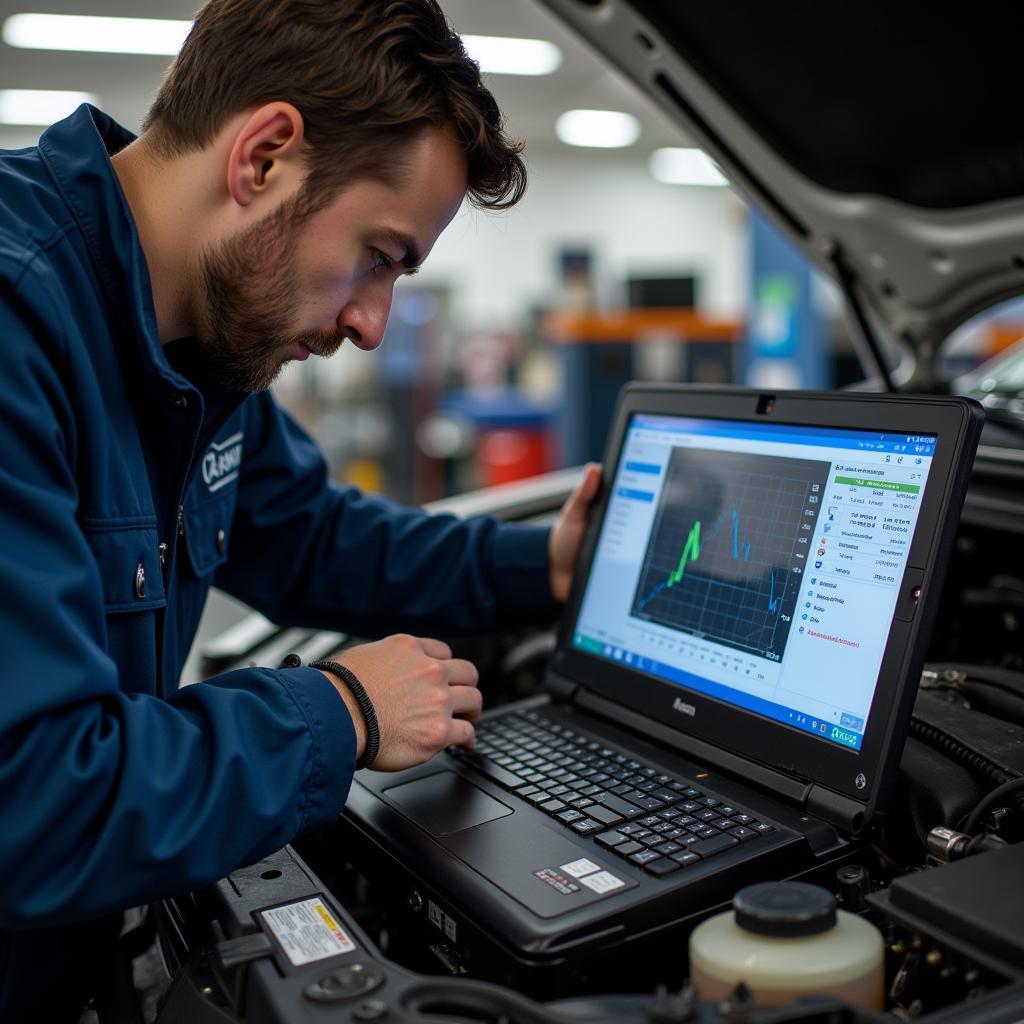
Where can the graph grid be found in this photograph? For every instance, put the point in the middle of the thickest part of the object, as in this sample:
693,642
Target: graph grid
730,538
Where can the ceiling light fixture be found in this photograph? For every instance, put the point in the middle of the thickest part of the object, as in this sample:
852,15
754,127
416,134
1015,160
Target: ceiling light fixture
40,106
497,55
601,129
86,34
676,166
502,55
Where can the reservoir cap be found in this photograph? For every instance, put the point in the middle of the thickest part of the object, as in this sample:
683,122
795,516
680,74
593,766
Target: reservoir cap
785,909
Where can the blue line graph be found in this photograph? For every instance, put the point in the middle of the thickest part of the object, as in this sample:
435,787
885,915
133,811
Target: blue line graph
736,537
643,602
773,600
734,516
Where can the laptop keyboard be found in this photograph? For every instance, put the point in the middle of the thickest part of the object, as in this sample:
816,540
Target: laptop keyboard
654,820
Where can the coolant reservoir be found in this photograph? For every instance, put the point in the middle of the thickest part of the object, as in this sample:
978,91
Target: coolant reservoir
785,940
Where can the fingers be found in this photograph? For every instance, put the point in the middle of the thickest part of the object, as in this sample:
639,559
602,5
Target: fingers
462,734
435,648
458,671
466,700
581,497
461,673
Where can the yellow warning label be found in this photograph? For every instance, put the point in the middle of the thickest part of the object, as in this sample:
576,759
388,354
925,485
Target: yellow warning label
328,920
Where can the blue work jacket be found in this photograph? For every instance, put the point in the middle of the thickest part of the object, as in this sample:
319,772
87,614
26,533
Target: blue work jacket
126,491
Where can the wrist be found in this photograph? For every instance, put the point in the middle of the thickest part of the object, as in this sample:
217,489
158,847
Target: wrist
357,702
354,690
354,711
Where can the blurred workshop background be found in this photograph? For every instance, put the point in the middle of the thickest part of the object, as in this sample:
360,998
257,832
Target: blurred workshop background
630,257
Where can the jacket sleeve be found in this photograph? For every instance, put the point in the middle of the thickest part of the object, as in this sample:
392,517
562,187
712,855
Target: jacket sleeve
111,797
307,552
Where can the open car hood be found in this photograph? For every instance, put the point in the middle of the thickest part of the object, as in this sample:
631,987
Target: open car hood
885,141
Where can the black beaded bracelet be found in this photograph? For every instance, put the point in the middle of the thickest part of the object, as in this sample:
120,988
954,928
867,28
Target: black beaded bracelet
347,676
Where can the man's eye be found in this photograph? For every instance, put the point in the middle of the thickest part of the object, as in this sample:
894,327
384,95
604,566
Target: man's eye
380,261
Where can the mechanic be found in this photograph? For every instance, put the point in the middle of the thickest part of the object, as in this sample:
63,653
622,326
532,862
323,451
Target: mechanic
299,157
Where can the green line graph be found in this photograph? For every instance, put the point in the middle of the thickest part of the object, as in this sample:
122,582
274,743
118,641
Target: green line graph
692,549
691,552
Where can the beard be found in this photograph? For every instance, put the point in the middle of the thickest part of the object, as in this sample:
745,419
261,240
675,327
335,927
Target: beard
248,284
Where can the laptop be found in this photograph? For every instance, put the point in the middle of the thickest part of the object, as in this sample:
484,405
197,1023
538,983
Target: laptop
726,703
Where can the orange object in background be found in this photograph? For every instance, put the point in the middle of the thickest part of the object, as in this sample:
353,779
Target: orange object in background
507,455
365,474
639,324
1002,337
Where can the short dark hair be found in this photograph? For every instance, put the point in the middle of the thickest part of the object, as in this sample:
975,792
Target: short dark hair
368,76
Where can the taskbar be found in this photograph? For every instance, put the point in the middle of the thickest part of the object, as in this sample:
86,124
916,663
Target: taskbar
842,735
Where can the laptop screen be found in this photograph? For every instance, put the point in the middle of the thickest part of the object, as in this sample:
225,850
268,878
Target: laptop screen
757,564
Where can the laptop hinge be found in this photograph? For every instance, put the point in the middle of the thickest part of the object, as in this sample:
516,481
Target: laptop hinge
845,814
779,785
562,690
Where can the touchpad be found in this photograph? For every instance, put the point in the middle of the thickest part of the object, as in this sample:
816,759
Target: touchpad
445,803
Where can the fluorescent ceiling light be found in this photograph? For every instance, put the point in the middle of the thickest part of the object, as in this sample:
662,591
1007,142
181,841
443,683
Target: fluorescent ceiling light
83,34
497,55
500,55
40,106
603,129
675,166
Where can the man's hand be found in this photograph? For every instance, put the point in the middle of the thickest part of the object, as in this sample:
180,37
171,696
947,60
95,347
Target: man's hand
567,534
417,688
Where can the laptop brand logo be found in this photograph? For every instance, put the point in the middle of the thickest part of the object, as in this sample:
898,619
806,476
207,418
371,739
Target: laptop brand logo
861,781
686,709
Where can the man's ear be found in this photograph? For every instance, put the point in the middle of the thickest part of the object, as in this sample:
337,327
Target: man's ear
266,155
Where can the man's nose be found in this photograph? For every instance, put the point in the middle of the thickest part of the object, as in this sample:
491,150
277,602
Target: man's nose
363,321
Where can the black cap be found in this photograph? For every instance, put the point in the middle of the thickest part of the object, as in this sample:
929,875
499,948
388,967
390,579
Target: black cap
785,909
852,886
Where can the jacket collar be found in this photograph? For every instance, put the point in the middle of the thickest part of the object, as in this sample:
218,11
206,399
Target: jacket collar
77,154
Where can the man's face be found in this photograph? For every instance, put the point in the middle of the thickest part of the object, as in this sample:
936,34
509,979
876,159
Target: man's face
290,284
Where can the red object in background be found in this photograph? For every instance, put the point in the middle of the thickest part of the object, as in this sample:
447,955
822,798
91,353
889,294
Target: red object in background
507,455
514,435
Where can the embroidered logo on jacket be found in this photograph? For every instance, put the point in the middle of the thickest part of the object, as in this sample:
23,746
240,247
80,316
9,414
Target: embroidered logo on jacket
222,461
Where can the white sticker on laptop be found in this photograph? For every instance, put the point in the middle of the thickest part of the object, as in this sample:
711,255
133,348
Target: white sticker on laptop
307,931
581,867
602,882
440,920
